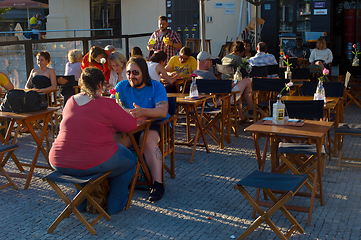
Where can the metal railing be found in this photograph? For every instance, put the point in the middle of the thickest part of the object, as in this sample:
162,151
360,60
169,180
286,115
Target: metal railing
28,52
9,33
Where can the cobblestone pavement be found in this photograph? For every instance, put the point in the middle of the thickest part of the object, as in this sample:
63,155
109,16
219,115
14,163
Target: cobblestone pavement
199,203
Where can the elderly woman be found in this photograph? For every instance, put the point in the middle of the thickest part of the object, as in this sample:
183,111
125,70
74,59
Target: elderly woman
94,59
322,55
43,78
85,144
117,63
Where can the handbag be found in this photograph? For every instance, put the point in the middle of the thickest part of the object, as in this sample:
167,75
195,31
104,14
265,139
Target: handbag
19,101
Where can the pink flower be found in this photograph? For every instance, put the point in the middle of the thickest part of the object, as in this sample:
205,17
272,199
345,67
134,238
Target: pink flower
112,91
194,75
325,71
354,46
290,84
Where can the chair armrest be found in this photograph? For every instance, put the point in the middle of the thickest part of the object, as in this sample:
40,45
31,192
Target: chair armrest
166,121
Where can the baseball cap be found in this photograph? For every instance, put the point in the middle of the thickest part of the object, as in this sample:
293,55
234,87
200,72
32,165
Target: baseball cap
203,55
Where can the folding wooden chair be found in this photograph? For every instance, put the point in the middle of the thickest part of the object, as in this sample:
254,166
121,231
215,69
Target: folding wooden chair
167,138
301,158
217,118
91,182
263,89
347,129
270,182
9,149
259,72
352,91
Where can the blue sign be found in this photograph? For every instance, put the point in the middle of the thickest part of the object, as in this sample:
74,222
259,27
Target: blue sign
218,5
320,4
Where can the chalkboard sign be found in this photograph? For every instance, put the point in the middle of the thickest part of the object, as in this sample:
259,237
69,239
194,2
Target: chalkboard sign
287,43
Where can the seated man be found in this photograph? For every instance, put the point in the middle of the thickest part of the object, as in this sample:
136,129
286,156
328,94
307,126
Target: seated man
262,59
145,98
5,82
299,51
184,64
204,64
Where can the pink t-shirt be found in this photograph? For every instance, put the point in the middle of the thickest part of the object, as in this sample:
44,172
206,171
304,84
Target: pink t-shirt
86,133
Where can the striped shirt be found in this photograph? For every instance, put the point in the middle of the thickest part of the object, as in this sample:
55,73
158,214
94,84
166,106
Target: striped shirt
159,45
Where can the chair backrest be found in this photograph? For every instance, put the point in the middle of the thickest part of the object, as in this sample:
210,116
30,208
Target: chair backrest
308,88
333,89
354,70
259,71
214,86
268,84
225,69
172,105
71,81
347,79
302,109
293,61
297,73
272,69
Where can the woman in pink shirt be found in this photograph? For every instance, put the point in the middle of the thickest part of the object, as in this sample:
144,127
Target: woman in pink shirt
85,144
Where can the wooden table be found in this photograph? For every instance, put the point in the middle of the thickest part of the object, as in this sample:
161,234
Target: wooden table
313,130
191,105
333,103
29,119
139,150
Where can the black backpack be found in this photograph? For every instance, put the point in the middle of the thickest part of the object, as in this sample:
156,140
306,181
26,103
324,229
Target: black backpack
19,101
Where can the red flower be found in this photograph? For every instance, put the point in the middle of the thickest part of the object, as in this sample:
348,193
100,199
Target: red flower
286,57
194,75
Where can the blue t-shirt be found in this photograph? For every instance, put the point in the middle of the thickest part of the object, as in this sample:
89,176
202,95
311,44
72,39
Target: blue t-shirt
146,97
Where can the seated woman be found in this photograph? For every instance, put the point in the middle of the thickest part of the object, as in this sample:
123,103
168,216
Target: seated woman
248,52
117,63
93,59
43,78
73,67
136,51
85,144
234,58
321,55
156,68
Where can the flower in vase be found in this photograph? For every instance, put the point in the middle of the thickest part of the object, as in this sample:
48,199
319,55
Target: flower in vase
286,57
355,52
287,87
325,72
112,91
193,75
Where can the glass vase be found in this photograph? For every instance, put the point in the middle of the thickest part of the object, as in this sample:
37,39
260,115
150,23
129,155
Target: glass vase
355,61
288,73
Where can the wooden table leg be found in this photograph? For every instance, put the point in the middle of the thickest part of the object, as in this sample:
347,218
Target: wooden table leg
199,129
40,147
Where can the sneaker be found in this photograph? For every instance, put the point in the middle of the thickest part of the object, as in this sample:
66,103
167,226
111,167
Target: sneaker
157,192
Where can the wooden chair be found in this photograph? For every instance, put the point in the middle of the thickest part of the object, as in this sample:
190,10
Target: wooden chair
193,44
269,182
297,73
301,156
167,138
352,93
9,149
347,129
90,182
217,118
259,72
264,89
225,69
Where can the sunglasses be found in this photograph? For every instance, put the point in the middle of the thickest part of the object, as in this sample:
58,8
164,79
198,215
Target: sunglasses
183,57
134,72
